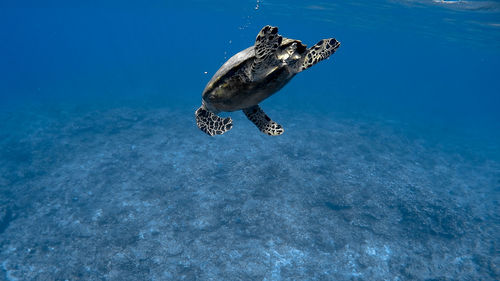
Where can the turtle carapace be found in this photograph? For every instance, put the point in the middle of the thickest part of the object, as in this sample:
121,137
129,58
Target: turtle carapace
253,75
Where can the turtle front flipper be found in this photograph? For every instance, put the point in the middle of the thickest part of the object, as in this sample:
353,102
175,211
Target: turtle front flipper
322,50
210,123
262,121
267,42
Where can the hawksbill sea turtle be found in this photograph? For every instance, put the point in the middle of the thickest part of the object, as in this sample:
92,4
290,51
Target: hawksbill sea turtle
253,75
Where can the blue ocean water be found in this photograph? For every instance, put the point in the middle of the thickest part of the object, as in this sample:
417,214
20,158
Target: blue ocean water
389,167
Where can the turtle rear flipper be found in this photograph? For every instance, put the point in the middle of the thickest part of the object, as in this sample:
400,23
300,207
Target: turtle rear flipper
322,50
267,42
210,123
262,121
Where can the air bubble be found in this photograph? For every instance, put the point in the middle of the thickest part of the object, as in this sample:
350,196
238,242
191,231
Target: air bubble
257,5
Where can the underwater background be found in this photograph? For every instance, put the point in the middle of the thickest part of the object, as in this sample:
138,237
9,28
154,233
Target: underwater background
389,167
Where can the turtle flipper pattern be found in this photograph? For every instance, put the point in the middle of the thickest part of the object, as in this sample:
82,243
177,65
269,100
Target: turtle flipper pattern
212,124
322,50
253,75
262,121
267,42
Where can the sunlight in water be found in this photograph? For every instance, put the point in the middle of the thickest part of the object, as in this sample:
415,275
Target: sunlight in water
384,162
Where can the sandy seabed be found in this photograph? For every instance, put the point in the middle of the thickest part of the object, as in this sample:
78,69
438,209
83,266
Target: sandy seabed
139,193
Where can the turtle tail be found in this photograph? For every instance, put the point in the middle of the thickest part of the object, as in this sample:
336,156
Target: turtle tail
210,123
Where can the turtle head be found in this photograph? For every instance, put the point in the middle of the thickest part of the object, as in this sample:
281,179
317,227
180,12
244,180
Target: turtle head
291,52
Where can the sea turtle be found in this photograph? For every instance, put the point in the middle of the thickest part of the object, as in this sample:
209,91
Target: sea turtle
253,75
